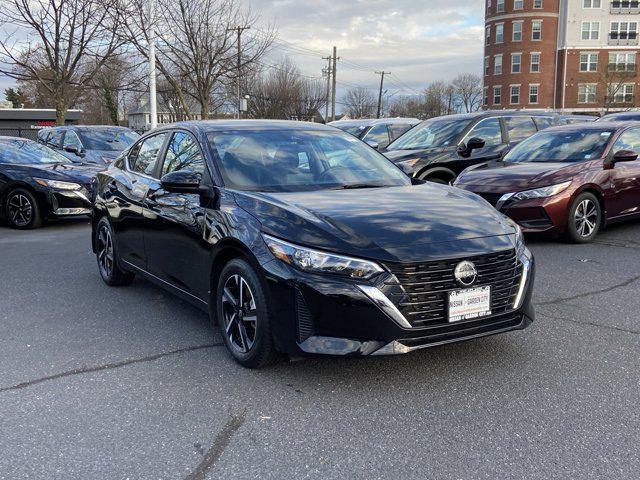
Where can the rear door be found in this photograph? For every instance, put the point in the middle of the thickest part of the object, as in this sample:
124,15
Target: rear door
489,130
625,176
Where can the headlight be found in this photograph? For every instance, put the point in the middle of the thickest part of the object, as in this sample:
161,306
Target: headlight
315,261
57,184
519,235
542,192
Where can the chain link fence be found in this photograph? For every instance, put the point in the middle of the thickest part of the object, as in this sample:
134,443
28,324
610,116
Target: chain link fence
30,133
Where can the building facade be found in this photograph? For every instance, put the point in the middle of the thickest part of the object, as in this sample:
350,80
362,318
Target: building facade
572,55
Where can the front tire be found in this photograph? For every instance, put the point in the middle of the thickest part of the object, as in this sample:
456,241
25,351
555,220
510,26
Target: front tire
22,210
243,315
585,218
106,254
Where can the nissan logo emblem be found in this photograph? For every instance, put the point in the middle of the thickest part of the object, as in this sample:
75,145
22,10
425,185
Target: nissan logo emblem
465,274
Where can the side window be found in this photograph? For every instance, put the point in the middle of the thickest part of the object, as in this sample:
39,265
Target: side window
43,136
489,130
398,130
144,155
628,140
54,139
71,138
543,122
378,134
183,154
520,128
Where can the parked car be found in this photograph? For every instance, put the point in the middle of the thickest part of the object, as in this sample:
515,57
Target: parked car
632,116
377,132
440,148
571,119
88,144
38,183
300,239
569,180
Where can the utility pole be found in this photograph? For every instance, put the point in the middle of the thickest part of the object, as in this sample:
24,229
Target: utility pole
327,72
333,90
153,108
382,74
239,31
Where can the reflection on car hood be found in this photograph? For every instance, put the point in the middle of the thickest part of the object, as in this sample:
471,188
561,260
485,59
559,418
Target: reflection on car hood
400,155
68,172
506,177
379,223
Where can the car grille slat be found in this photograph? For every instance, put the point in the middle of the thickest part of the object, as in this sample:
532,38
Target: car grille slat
427,285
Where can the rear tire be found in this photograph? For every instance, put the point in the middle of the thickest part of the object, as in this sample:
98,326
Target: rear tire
584,218
107,255
243,315
21,210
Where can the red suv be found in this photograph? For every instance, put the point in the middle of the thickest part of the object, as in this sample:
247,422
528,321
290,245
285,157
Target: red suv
572,179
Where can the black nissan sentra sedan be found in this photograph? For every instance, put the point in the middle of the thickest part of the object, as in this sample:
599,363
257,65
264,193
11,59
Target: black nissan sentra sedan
301,239
37,183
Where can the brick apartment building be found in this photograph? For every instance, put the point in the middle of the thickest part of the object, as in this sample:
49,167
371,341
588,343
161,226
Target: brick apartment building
577,56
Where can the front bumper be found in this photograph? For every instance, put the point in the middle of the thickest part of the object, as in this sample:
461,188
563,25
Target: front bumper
68,202
314,315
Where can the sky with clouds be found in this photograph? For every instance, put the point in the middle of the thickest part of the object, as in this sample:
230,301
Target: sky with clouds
419,41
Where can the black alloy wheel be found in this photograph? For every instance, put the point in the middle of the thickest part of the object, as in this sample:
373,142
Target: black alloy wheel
108,266
243,315
585,218
22,210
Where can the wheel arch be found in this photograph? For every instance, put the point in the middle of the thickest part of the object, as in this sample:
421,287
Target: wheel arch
40,197
599,194
438,172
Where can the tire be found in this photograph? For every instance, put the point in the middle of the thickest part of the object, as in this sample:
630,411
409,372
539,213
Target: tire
21,210
244,325
433,179
107,256
584,218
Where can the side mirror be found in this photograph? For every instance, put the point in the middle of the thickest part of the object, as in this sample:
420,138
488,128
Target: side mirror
624,156
182,181
74,149
474,143
373,145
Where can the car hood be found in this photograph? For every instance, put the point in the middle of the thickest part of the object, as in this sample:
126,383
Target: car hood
505,177
379,223
67,172
402,155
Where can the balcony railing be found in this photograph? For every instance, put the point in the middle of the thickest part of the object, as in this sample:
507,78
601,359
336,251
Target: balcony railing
625,7
628,68
623,38
620,98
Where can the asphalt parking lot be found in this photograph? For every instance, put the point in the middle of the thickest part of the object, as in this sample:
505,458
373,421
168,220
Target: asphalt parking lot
132,383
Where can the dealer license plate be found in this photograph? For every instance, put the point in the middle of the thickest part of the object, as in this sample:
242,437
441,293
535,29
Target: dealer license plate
469,304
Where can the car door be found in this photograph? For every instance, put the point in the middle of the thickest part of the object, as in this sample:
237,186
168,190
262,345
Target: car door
174,234
129,191
489,130
625,176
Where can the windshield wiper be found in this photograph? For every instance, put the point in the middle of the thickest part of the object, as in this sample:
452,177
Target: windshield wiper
359,185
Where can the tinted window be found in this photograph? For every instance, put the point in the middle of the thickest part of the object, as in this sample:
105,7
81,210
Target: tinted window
143,156
43,135
520,128
55,138
298,160
183,154
438,132
489,130
628,140
561,146
355,130
28,152
378,134
108,140
71,138
543,122
399,130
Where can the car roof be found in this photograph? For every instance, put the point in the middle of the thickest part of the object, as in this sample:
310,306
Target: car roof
375,121
586,126
634,114
217,125
496,113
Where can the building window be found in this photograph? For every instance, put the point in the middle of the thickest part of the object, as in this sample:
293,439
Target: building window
591,3
622,62
517,31
499,32
620,93
516,62
486,66
624,30
535,62
590,30
514,97
497,95
537,3
587,93
518,4
485,96
588,62
487,35
500,6
536,30
497,64
533,93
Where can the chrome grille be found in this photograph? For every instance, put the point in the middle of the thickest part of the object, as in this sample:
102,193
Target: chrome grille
427,285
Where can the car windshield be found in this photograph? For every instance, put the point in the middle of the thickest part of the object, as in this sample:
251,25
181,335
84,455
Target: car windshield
28,152
300,160
561,146
108,140
439,132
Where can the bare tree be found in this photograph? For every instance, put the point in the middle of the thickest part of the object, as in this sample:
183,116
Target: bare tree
359,102
467,88
68,42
